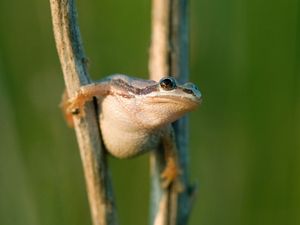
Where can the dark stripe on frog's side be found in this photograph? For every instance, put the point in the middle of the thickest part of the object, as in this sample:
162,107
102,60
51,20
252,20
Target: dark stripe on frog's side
137,91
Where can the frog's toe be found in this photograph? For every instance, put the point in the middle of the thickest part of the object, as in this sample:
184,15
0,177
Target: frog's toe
171,175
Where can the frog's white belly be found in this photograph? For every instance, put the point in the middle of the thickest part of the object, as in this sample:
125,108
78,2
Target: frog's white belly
122,135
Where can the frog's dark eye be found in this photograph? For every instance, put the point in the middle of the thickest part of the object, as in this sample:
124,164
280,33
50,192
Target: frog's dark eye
167,83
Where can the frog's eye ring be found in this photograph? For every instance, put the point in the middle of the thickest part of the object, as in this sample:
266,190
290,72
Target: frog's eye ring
168,83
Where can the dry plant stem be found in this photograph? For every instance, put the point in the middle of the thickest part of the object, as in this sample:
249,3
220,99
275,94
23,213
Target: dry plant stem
159,51
73,63
169,56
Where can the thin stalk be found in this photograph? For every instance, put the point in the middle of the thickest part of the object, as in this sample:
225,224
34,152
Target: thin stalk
169,56
73,63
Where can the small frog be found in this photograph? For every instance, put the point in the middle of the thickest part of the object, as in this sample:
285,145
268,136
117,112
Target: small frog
135,115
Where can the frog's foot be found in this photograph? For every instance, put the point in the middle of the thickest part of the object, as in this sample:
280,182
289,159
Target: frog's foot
171,175
64,105
72,106
75,105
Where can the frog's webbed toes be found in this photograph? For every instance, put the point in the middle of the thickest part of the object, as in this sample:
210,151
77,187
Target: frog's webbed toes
75,109
76,104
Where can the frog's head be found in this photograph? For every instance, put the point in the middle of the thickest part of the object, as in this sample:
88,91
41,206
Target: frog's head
166,101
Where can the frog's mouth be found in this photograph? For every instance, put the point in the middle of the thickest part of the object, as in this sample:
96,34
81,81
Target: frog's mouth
186,102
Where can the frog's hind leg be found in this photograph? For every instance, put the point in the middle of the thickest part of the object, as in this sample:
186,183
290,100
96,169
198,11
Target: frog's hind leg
172,172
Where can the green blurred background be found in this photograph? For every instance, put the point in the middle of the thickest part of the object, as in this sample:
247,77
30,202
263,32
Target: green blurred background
244,139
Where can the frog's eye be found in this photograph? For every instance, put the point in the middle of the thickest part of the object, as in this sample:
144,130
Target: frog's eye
168,83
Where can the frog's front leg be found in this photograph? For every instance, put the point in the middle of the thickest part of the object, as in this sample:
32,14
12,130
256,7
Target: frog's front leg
172,172
74,105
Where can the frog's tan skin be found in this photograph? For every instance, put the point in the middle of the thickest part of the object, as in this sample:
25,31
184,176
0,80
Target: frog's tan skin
135,115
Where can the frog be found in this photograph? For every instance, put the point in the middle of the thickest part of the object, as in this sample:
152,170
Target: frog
135,115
